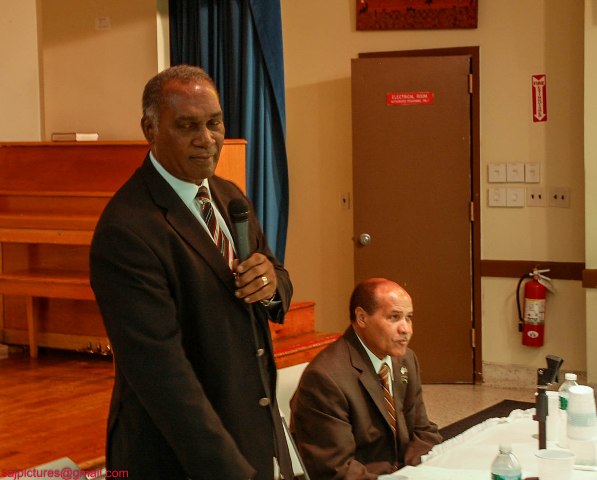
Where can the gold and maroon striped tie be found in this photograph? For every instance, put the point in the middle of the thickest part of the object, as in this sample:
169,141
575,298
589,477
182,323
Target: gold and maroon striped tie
384,376
217,235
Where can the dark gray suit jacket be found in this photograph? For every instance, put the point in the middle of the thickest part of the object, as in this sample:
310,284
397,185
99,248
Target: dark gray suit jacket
341,424
186,399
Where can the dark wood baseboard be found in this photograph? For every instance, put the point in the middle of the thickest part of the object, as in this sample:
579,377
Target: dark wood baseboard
557,270
589,278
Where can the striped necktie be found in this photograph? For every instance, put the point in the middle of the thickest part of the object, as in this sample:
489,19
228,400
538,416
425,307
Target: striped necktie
217,235
384,377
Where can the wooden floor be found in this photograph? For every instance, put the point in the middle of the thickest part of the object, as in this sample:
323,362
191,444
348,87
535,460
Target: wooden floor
52,407
57,406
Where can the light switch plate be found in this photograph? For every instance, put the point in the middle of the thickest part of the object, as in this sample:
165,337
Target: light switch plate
496,197
532,172
515,197
496,173
515,172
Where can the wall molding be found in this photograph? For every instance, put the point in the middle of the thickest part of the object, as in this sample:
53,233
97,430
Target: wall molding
557,270
589,278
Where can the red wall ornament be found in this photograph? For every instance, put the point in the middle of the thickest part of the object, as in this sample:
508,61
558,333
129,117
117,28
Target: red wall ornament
416,14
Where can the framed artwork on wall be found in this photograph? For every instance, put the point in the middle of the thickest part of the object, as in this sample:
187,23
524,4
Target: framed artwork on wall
415,14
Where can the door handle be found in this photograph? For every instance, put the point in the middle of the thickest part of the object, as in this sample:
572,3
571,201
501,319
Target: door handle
364,239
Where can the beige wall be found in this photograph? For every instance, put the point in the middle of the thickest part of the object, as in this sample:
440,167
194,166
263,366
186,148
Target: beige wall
92,80
93,74
516,39
19,72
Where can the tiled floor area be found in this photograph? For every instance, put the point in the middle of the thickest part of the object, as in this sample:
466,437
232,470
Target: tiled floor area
449,403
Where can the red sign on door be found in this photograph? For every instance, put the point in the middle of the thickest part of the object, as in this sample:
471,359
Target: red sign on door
539,88
409,98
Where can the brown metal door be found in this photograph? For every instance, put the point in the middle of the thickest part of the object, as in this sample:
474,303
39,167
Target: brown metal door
411,120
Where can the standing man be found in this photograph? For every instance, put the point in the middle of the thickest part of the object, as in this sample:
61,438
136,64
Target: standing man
358,411
195,375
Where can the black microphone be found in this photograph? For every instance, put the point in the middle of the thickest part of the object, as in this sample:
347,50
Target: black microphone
238,210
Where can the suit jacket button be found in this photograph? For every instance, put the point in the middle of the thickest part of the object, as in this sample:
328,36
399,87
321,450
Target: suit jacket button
264,402
260,352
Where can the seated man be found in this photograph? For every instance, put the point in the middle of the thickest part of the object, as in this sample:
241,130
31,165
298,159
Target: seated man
346,424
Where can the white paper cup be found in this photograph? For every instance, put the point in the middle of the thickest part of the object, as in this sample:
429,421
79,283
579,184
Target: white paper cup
552,423
582,419
554,464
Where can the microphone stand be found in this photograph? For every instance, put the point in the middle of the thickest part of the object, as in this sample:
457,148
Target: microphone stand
541,411
545,377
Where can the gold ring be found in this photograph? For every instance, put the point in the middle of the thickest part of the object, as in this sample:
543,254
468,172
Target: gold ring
265,280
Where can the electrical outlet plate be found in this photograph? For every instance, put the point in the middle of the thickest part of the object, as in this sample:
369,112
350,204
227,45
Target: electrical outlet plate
559,197
536,197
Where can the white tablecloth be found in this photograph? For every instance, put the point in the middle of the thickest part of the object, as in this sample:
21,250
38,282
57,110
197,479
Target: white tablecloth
468,456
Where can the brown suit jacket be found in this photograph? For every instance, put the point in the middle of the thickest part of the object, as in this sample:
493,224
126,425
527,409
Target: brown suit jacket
186,398
341,424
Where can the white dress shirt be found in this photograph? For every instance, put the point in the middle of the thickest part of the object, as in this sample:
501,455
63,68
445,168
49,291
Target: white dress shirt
187,192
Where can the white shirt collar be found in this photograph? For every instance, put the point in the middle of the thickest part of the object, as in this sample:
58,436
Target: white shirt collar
377,363
187,191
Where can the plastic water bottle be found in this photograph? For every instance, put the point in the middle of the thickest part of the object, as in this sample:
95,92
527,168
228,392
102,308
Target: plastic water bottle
569,381
505,466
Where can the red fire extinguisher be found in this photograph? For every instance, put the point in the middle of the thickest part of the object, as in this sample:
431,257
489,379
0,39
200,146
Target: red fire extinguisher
532,321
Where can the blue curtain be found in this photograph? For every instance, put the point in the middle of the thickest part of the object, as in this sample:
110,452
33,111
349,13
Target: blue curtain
239,43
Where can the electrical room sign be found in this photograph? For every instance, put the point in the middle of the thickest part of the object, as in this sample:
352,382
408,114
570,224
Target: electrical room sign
409,98
539,90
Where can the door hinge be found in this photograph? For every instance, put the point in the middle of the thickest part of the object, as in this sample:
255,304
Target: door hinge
473,338
472,211
470,83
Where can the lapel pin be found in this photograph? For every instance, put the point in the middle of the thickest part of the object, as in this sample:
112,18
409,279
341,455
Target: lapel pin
403,374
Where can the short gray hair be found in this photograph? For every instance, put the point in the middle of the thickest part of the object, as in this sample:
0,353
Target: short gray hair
152,93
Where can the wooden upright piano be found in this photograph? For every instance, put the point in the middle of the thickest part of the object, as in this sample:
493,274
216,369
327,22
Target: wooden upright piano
51,195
